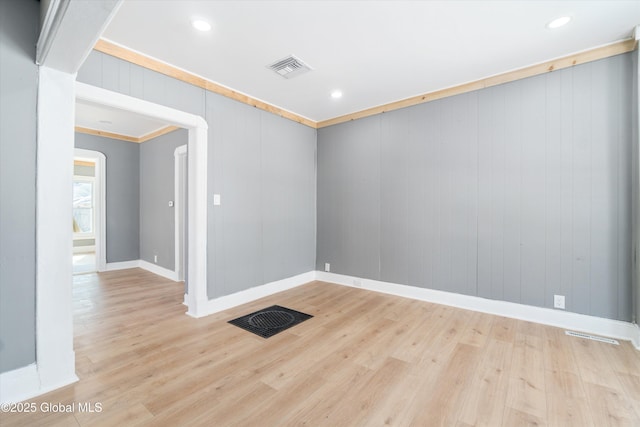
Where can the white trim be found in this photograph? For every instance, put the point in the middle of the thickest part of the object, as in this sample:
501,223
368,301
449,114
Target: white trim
24,383
145,265
179,155
156,269
122,265
100,189
635,336
252,294
19,384
197,179
546,316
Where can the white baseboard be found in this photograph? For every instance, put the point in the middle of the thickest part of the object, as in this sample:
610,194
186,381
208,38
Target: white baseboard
124,265
19,384
635,336
546,316
252,294
145,265
156,269
25,383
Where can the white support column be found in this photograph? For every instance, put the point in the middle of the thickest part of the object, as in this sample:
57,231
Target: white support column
54,313
197,225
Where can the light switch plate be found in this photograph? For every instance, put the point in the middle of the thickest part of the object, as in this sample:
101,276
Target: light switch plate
216,200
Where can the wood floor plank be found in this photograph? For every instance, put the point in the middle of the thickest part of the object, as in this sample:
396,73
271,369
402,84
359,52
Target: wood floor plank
609,407
364,359
527,391
478,331
631,384
485,407
450,390
593,362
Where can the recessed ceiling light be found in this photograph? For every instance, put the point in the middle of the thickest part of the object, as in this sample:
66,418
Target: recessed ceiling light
336,94
559,22
201,25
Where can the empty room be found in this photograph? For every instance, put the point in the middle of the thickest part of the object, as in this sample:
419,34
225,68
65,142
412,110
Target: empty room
321,213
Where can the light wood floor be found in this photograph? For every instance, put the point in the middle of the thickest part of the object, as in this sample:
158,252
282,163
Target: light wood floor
365,359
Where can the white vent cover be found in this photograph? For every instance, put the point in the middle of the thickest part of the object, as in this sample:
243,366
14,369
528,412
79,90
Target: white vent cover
591,337
289,67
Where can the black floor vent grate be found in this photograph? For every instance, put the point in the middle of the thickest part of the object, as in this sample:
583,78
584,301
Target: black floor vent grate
270,321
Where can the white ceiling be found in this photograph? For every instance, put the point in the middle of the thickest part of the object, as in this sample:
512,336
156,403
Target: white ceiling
375,52
99,117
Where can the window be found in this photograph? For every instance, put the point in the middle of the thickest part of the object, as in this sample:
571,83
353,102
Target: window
83,207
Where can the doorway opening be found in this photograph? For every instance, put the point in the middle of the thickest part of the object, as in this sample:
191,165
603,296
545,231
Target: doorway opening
89,236
195,164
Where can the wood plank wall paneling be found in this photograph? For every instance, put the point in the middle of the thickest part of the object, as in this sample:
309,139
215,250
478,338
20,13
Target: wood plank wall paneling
515,193
121,52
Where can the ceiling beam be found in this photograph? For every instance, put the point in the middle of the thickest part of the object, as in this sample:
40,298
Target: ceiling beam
70,29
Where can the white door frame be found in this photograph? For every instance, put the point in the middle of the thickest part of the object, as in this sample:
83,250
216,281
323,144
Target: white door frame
180,154
196,178
100,202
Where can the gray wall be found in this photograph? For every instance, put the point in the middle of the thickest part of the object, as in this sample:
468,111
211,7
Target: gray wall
157,221
515,192
19,21
635,211
261,164
123,194
263,167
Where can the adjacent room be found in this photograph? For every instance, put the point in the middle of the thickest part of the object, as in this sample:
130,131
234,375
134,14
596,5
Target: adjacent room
342,213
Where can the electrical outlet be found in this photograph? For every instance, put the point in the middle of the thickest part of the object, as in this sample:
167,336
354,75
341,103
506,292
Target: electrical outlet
327,266
558,301
155,259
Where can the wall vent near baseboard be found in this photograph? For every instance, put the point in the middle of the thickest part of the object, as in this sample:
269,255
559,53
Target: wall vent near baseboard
591,337
289,67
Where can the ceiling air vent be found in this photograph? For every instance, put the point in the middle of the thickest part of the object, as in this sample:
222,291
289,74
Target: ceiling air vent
289,67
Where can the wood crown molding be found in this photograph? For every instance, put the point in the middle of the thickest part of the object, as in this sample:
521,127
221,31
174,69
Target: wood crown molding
602,52
534,70
127,138
120,52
